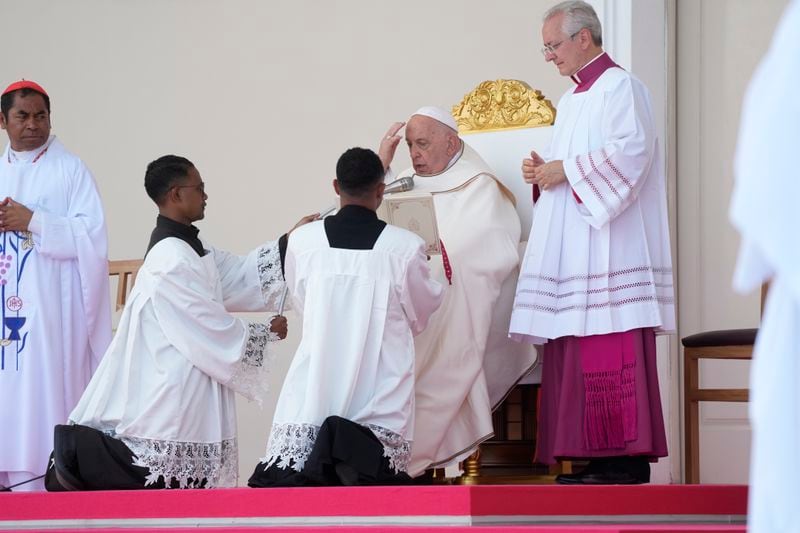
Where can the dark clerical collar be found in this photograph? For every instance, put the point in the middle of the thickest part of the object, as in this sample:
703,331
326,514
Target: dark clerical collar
587,75
166,227
354,228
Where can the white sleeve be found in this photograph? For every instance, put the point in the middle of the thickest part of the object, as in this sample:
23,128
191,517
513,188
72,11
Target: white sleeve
229,350
608,179
253,282
81,237
422,295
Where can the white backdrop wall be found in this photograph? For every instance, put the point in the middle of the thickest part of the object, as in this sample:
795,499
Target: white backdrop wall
262,96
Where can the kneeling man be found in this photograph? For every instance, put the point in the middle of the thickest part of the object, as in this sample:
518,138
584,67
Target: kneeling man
345,415
160,411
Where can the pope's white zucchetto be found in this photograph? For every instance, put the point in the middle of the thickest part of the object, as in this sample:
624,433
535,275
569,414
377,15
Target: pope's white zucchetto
438,114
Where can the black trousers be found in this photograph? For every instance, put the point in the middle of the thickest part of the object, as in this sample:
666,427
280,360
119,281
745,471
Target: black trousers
84,458
345,453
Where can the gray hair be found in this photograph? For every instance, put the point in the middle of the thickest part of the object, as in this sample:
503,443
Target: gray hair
577,15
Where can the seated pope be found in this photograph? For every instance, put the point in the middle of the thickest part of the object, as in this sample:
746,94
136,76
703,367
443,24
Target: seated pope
462,368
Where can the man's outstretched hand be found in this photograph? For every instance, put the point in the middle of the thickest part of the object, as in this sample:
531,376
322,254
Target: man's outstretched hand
279,326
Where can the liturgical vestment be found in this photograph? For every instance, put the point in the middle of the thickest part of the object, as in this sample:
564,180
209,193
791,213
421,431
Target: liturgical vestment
166,385
456,390
364,290
764,210
56,317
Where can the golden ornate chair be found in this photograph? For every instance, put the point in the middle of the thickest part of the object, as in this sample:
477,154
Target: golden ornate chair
503,120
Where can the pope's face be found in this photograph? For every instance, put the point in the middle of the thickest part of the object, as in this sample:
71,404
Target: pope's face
428,145
564,50
28,122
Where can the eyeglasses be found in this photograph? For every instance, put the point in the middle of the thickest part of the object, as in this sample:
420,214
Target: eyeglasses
200,187
551,48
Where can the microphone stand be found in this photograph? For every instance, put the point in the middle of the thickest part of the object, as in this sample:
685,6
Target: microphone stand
3,488
282,301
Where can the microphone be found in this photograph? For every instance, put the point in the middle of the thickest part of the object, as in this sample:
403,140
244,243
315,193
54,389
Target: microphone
400,185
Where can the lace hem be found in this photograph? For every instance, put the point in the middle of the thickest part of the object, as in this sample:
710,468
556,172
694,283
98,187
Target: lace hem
186,462
290,445
249,378
270,275
395,447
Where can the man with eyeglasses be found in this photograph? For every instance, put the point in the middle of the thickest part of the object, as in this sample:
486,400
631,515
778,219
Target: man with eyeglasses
596,282
55,316
160,411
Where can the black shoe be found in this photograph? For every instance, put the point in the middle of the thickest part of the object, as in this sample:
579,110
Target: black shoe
595,466
638,467
610,478
624,470
348,476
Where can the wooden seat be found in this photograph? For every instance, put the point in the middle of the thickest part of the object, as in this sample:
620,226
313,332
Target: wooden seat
730,344
724,344
126,271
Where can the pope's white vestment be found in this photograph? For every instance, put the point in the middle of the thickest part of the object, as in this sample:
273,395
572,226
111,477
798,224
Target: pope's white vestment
166,385
55,318
480,230
764,210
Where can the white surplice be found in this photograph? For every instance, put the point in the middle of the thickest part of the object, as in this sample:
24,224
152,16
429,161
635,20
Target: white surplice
465,366
604,265
764,210
56,317
166,384
360,311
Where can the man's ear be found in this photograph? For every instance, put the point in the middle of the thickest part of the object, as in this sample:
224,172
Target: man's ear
2,121
453,145
336,186
173,195
585,38
379,190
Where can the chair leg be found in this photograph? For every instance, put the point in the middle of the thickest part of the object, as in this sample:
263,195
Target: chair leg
692,418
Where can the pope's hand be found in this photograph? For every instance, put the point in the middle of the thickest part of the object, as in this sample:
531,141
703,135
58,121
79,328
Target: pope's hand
389,144
279,326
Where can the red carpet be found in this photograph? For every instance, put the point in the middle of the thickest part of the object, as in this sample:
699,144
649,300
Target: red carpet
540,508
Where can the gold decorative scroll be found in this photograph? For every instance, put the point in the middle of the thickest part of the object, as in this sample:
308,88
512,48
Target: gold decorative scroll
502,105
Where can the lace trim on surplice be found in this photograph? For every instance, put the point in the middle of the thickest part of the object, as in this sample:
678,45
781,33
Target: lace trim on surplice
270,275
250,377
395,447
187,462
290,445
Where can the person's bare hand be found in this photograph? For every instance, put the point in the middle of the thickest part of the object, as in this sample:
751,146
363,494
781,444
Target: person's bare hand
548,175
14,216
389,144
305,220
279,326
529,166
